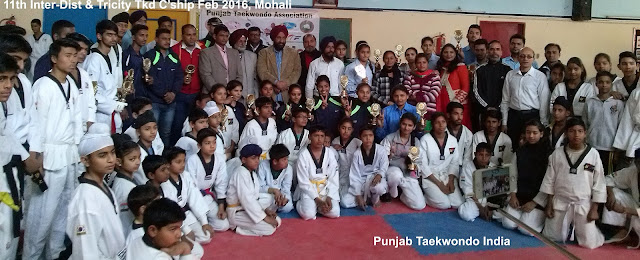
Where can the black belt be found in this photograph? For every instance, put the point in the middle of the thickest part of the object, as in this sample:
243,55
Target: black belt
530,111
186,208
16,162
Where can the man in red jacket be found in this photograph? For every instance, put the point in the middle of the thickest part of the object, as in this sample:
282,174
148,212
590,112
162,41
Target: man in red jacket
188,51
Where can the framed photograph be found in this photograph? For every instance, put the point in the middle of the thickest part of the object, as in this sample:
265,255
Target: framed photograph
325,3
494,181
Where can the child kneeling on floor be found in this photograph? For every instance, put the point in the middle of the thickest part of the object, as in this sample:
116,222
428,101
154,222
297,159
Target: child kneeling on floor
250,212
472,207
575,185
276,176
367,174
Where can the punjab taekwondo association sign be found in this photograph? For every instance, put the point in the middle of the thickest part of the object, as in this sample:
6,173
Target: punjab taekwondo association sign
298,21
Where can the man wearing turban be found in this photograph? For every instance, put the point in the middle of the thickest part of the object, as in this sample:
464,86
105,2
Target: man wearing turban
248,61
279,64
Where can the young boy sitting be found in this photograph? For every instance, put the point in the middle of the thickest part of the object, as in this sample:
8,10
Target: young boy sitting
263,126
127,162
367,176
157,170
501,145
209,172
295,138
198,120
181,189
93,222
472,207
276,177
555,131
317,174
139,199
147,131
251,213
602,116
214,121
623,202
574,184
162,220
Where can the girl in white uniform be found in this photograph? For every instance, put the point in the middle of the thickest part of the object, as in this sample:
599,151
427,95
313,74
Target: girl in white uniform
92,224
209,172
251,212
439,165
55,100
345,145
368,173
181,189
574,87
501,146
574,185
276,176
104,73
263,127
398,145
318,185
231,131
128,161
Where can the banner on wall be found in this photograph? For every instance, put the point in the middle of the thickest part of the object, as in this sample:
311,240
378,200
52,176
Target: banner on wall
298,21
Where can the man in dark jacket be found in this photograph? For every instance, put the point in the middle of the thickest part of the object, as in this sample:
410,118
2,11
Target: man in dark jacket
254,42
166,81
309,54
487,87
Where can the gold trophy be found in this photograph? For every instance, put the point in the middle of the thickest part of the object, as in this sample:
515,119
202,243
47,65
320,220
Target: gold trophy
251,100
344,80
375,112
146,66
95,87
377,53
413,156
189,70
421,109
457,34
399,53
127,87
225,116
309,105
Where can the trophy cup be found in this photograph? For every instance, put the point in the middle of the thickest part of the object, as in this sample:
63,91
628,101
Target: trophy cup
189,70
421,109
457,34
399,53
309,105
225,116
413,155
375,112
251,100
344,79
146,66
127,87
95,87
377,53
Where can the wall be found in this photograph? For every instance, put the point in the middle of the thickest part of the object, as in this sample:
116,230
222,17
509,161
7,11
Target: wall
385,29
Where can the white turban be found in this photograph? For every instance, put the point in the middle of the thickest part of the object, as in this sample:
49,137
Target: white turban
211,110
96,138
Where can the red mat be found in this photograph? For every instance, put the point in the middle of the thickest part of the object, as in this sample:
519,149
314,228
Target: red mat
352,238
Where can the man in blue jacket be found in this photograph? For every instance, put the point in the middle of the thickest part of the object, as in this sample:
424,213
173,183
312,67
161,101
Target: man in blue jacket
165,80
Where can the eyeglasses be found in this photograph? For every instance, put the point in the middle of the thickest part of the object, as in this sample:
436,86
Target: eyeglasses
526,57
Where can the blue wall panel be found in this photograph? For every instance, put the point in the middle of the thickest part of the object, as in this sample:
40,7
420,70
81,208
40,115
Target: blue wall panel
85,20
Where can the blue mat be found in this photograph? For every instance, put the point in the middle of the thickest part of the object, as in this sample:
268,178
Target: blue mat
353,212
441,225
